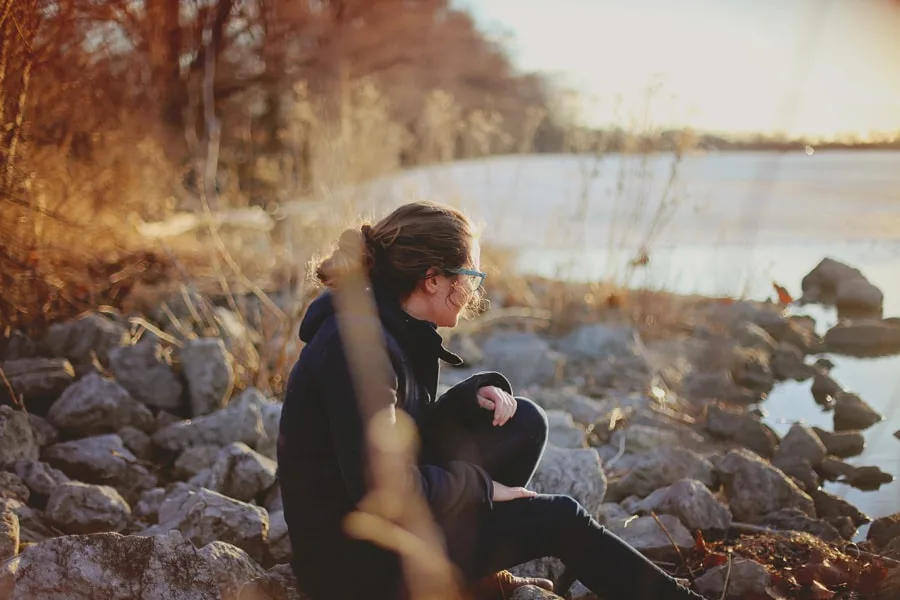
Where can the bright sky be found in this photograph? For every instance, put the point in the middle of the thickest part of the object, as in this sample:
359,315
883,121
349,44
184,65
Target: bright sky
811,67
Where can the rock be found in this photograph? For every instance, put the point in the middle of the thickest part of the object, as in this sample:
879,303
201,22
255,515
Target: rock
851,412
279,549
639,438
9,536
833,282
661,467
864,338
44,433
39,381
788,331
33,527
271,418
598,340
802,442
12,488
204,516
15,345
195,459
584,410
273,501
798,468
240,421
577,473
96,405
109,566
79,508
532,592
645,535
751,335
148,504
465,347
16,437
137,441
829,506
207,368
525,358
90,334
755,488
691,502
883,530
897,434
793,519
825,389
842,444
610,511
833,469
718,385
747,579
232,567
563,431
890,586
102,460
752,369
241,473
868,478
278,583
40,478
143,371
844,526
788,363
164,419
741,427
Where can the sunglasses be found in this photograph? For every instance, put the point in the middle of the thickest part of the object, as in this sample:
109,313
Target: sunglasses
478,276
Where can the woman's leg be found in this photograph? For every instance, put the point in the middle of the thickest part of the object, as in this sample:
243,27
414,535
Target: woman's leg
550,525
510,453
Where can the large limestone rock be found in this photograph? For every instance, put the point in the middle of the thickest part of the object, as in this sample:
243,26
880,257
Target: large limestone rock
143,371
851,413
76,507
95,405
44,433
864,338
661,467
240,421
691,502
13,488
110,566
278,583
742,427
38,381
231,566
575,472
16,437
40,478
833,282
584,410
204,516
210,377
647,536
195,459
241,473
756,488
271,419
77,340
525,358
279,550
563,431
598,340
802,442
746,579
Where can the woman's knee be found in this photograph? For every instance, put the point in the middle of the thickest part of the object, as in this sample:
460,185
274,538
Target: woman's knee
532,419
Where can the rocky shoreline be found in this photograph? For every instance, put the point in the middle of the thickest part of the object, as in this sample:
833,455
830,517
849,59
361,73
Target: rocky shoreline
134,464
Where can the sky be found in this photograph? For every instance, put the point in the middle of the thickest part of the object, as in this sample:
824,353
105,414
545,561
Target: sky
823,68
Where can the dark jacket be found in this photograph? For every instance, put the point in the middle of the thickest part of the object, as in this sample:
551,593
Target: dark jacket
321,450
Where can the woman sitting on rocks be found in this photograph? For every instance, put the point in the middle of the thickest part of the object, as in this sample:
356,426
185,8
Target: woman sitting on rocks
479,444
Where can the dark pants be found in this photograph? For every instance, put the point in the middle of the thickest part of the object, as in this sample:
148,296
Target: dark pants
520,530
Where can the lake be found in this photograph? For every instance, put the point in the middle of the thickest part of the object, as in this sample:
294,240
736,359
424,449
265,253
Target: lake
725,224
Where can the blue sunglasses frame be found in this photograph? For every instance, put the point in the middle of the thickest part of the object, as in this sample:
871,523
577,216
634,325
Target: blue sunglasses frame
481,275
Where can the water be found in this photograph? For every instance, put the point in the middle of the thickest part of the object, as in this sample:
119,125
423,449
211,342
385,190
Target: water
740,221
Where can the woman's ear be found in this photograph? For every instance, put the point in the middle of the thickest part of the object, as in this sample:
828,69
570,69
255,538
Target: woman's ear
430,282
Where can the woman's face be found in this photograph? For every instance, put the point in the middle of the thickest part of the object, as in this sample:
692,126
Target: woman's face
447,295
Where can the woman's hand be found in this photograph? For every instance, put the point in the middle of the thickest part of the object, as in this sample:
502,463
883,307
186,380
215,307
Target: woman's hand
504,493
499,401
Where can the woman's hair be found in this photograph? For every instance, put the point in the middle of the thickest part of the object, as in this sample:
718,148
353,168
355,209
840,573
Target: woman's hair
398,251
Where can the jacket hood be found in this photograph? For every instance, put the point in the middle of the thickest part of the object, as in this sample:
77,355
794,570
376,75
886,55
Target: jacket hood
318,312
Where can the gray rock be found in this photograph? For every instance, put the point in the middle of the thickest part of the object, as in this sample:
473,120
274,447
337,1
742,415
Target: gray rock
102,460
882,531
279,549
583,409
204,516
829,506
12,488
15,345
755,488
33,527
842,444
232,567
610,511
525,358
752,369
271,418
563,431
278,583
742,427
851,412
40,478
868,478
802,442
691,502
465,347
640,438
142,370
747,579
833,469
825,389
210,377
96,405
799,469
148,504
598,340
16,437
9,536
38,381
241,473
532,592
195,459
793,519
645,535
661,467
833,282
79,508
137,441
44,433
751,335
240,421
788,363
273,501
90,334
109,566
577,473
717,385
